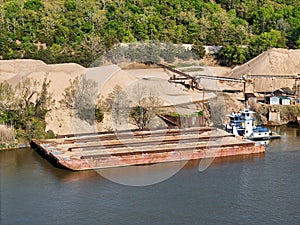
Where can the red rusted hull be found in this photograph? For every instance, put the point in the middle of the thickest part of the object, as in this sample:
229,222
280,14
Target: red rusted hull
129,160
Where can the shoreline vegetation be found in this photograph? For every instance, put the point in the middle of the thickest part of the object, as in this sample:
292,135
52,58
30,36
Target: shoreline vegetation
23,111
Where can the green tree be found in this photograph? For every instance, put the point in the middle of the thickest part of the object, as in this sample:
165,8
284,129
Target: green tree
44,100
81,96
233,55
145,105
25,108
6,96
118,104
84,29
266,40
140,117
35,5
198,49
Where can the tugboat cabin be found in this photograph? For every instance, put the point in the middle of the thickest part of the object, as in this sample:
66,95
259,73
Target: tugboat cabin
242,124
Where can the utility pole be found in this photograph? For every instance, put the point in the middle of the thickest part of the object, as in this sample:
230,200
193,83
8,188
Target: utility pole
244,92
273,78
297,87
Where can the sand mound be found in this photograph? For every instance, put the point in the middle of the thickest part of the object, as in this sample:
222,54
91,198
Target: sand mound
59,120
17,65
272,62
107,77
13,71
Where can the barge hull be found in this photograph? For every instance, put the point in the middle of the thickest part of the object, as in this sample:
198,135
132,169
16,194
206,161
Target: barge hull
73,154
161,158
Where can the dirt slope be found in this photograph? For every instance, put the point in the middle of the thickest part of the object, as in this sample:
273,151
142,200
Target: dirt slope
275,61
108,76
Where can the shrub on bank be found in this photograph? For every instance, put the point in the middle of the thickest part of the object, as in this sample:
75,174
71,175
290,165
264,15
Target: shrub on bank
7,136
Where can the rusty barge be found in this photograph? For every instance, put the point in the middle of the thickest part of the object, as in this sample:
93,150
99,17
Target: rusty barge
104,150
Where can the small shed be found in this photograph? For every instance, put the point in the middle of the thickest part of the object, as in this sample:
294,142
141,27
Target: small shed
274,100
284,101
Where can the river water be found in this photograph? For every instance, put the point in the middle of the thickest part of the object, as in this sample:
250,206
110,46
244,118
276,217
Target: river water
255,189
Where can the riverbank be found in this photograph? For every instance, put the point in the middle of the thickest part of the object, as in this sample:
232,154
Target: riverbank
275,114
15,147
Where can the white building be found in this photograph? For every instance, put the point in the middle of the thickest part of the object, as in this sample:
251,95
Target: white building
285,101
274,100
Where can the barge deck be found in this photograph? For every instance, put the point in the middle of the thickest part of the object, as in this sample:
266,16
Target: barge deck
104,150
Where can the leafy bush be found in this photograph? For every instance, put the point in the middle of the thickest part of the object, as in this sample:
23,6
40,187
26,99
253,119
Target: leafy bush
81,96
233,55
24,108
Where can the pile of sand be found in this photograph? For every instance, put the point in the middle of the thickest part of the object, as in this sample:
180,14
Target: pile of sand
14,71
60,120
272,62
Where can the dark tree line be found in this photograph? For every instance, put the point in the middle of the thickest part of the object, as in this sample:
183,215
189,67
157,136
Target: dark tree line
81,30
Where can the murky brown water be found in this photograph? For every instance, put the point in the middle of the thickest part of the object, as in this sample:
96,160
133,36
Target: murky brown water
254,189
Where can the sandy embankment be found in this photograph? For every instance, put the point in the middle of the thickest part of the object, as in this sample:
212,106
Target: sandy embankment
273,62
62,122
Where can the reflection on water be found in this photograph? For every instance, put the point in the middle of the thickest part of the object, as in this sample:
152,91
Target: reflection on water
122,173
289,140
133,173
248,189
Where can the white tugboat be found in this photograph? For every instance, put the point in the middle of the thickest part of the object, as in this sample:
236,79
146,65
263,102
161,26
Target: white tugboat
242,124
